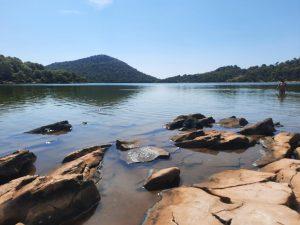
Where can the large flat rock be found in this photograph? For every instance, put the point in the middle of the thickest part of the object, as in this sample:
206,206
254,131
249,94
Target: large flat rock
16,165
186,206
233,178
259,214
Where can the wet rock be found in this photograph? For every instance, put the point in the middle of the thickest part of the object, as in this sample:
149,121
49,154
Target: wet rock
187,136
79,153
185,122
233,122
280,146
146,154
265,127
16,165
233,178
46,200
126,145
55,128
187,205
259,214
218,140
87,165
163,179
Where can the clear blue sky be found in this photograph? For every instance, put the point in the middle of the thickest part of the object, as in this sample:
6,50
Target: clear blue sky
158,37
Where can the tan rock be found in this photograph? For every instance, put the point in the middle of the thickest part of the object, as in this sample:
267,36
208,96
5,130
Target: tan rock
187,136
187,205
16,165
279,147
263,192
275,167
162,179
79,153
46,200
259,214
233,178
297,153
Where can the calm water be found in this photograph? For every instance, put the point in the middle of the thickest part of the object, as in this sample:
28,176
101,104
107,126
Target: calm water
135,112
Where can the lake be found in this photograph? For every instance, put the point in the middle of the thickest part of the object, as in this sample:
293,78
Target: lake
102,113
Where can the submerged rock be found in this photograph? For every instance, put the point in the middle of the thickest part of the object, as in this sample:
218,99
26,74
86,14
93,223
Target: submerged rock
265,127
126,145
16,165
219,140
233,122
280,146
146,154
185,122
162,179
55,128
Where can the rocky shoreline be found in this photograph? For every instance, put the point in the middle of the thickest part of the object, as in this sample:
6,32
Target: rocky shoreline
268,195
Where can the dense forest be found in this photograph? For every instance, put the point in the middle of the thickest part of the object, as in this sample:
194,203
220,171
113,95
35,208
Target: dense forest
13,70
289,70
103,68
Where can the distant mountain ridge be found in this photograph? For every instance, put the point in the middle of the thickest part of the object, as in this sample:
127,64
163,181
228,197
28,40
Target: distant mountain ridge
103,68
288,70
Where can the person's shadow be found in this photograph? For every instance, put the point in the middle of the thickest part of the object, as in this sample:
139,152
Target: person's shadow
281,97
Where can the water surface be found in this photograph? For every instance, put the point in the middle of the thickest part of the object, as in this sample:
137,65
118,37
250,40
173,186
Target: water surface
135,111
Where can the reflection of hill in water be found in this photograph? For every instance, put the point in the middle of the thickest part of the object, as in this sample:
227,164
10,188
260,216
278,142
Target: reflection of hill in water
18,96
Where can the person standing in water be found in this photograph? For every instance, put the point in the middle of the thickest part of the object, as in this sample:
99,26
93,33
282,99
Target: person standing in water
282,87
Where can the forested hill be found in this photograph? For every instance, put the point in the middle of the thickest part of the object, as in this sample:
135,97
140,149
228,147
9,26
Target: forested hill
289,70
13,70
103,68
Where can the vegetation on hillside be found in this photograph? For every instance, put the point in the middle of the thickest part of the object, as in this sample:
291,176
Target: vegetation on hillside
289,70
13,70
103,68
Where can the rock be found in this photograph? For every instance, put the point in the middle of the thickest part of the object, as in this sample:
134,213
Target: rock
46,200
187,136
297,153
281,146
162,179
187,205
259,214
146,154
265,127
16,165
55,128
218,140
67,193
263,192
233,178
79,153
233,122
287,171
87,164
126,145
185,122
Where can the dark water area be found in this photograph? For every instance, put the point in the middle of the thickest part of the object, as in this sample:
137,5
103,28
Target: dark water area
135,111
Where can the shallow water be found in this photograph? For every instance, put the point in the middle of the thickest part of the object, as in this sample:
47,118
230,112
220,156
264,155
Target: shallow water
135,111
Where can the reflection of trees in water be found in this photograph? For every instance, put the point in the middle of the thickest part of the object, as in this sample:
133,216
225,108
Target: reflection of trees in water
17,96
